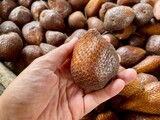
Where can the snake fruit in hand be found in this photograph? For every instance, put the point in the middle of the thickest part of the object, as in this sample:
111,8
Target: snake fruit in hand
94,61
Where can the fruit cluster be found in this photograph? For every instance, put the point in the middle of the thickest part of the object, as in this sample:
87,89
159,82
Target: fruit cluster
30,29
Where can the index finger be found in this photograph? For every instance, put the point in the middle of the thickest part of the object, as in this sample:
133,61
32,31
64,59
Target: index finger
59,55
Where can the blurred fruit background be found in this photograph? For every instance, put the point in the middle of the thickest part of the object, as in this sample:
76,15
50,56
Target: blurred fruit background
29,29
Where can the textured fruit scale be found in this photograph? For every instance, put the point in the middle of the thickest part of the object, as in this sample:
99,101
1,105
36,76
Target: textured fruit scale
94,61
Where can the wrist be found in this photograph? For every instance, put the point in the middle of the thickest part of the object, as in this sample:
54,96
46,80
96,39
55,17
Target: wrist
3,115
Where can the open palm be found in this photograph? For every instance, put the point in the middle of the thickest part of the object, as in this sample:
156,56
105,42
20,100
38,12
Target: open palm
45,90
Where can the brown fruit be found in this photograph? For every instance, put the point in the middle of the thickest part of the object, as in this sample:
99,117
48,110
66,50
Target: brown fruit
113,40
127,2
150,29
150,64
152,86
61,6
90,116
46,48
33,33
37,7
52,20
25,3
93,7
94,22
137,40
145,78
132,88
77,20
6,6
153,45
130,55
94,61
156,10
11,45
20,15
145,102
77,33
55,38
151,2
153,20
141,116
114,1
78,4
104,7
108,115
1,20
17,66
118,18
144,13
9,26
30,53
158,77
102,107
116,101
126,32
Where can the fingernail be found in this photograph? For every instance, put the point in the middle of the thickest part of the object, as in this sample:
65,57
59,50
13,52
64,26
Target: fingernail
119,57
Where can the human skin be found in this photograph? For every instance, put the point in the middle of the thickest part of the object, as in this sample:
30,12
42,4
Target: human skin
45,90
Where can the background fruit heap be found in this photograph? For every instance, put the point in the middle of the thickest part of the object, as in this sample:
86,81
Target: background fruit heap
30,29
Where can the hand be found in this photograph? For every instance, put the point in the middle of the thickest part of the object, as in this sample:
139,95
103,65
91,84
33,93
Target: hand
45,90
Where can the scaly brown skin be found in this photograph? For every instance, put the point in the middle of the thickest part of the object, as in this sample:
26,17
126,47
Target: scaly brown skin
46,91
